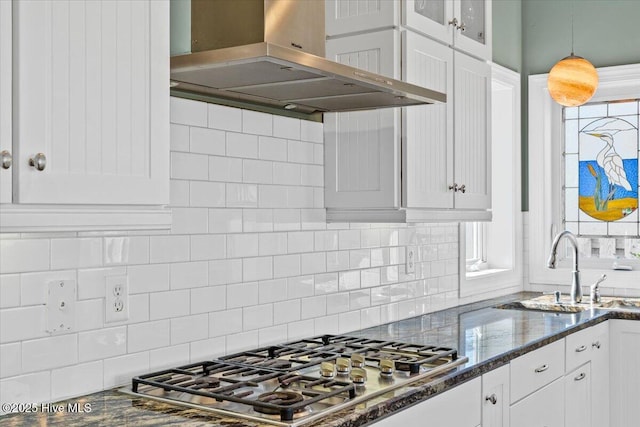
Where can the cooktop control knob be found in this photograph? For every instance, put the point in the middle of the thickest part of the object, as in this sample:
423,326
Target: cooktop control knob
343,365
357,360
387,367
358,376
327,369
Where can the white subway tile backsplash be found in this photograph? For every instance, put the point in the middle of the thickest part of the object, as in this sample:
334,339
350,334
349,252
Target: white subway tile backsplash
225,323
257,123
250,261
258,316
145,278
118,371
9,290
257,171
208,246
272,148
189,166
242,195
27,388
10,359
187,112
76,380
242,145
189,220
225,169
225,118
207,141
311,131
222,272
208,299
102,344
207,349
169,249
189,275
163,305
257,268
242,294
286,311
206,194
179,138
168,357
225,220
147,336
48,353
23,323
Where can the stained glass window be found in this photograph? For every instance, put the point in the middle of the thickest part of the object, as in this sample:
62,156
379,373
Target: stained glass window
602,149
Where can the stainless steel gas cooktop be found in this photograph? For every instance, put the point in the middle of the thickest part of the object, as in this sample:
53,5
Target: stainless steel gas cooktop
299,382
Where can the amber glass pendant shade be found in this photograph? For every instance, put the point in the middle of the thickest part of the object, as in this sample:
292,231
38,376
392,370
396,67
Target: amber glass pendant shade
572,81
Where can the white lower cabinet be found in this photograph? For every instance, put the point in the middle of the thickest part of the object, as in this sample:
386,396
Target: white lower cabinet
625,373
495,398
459,407
577,397
544,408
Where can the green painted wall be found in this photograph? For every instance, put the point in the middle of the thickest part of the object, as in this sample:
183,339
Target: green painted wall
507,33
606,32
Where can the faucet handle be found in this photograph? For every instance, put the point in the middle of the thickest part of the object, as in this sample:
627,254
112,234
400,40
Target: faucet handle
600,280
595,290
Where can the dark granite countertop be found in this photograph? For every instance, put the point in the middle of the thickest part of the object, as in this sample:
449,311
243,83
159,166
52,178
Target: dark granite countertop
489,337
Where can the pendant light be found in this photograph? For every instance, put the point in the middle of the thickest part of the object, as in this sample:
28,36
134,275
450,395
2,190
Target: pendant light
573,80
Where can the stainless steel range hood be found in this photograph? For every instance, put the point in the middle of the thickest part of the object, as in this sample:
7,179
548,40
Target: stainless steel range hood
271,53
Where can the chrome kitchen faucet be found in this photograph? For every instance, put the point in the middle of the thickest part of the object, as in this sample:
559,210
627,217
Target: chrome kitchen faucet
576,290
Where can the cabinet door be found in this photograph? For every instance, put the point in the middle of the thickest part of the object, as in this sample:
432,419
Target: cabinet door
352,16
600,374
430,17
362,147
544,408
93,97
495,398
472,85
474,34
427,143
577,397
5,98
625,373
459,407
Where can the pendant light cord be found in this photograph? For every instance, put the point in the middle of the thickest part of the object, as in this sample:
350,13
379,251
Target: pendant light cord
572,27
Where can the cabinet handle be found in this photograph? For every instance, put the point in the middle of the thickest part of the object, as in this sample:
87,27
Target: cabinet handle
7,160
493,399
541,369
454,187
581,349
454,22
463,188
580,377
596,344
462,27
39,161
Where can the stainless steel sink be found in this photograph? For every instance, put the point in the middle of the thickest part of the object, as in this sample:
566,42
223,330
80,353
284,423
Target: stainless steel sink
548,303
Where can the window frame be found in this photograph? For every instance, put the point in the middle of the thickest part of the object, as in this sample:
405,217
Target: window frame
511,238
546,196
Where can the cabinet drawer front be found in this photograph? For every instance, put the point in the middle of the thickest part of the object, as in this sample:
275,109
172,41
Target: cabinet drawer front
536,369
581,346
544,408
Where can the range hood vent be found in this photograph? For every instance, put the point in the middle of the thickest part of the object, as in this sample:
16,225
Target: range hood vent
271,53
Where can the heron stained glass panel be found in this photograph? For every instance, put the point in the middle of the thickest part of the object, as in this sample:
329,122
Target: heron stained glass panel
602,148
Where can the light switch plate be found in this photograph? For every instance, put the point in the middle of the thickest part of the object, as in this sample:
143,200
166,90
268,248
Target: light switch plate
61,306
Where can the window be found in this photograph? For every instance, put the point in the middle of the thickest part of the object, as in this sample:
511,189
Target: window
576,161
601,177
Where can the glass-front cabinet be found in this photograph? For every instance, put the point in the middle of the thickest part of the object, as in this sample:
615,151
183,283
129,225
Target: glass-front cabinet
463,24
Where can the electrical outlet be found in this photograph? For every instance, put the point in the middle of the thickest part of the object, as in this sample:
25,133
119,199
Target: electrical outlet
116,299
410,259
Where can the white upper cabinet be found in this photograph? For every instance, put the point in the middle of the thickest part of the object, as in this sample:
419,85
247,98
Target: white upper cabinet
91,106
6,158
463,24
